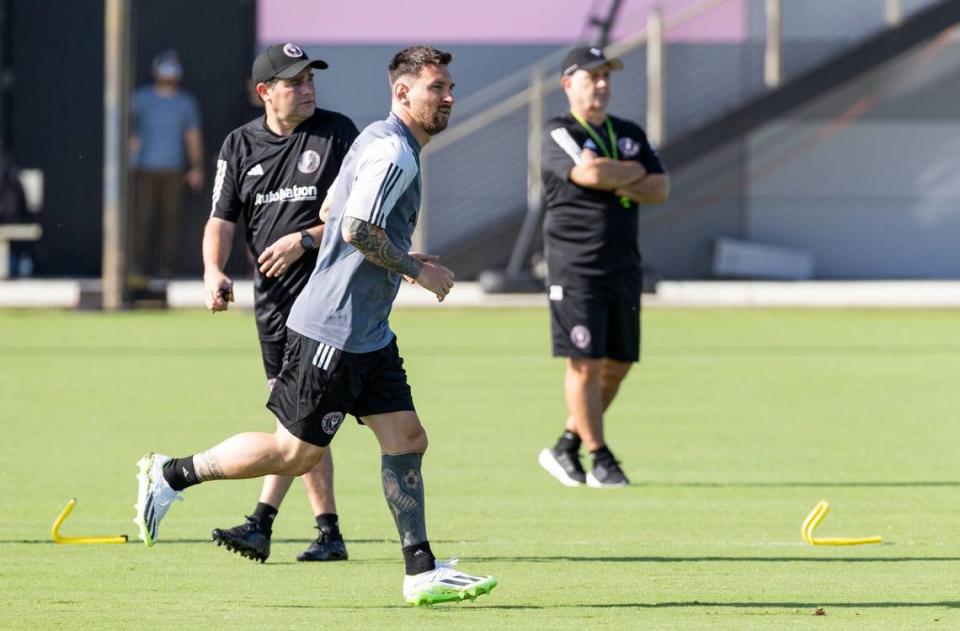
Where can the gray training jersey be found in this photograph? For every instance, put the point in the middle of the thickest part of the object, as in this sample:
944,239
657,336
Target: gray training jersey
347,300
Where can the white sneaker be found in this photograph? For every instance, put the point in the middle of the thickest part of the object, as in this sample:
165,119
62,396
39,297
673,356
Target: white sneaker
445,584
154,496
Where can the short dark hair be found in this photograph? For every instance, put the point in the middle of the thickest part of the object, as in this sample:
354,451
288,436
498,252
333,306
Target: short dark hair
412,60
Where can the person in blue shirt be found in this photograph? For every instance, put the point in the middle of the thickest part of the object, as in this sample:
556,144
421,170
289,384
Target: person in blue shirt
167,151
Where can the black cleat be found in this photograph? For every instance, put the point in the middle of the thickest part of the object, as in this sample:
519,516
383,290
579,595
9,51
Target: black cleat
246,539
564,466
326,547
606,473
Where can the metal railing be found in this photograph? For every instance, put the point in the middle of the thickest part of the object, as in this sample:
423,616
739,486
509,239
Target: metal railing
484,172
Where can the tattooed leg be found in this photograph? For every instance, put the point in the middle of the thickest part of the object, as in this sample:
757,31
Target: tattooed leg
403,489
207,467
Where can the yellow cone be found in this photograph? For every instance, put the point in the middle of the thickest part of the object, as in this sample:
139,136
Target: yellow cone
58,538
813,520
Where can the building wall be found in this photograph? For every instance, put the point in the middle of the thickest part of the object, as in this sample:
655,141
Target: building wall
866,178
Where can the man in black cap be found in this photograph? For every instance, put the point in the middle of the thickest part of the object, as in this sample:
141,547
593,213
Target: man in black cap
596,170
273,172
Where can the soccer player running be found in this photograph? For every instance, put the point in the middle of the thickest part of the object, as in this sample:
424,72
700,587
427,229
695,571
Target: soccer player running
272,172
596,169
341,356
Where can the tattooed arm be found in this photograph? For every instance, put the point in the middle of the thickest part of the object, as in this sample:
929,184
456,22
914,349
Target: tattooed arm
373,243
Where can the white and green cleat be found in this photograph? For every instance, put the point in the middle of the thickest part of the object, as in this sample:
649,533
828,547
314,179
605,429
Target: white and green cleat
154,496
445,584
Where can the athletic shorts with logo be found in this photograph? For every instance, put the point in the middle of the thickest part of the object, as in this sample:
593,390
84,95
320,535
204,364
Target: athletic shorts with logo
319,385
596,320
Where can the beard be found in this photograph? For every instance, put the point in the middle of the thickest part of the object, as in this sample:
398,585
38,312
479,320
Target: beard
435,122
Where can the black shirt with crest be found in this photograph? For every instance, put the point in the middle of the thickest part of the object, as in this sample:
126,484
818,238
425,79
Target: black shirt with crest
589,235
276,184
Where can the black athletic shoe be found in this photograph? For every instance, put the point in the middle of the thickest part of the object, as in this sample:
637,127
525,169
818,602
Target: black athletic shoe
564,466
246,539
606,472
326,547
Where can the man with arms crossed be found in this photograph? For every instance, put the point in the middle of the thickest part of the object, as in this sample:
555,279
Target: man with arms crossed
341,355
273,172
596,169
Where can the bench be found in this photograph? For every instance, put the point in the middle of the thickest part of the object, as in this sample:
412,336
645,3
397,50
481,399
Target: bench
32,182
15,232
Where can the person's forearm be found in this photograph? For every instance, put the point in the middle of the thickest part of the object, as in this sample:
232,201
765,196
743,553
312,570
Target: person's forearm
217,243
652,189
373,243
195,149
605,174
325,207
316,232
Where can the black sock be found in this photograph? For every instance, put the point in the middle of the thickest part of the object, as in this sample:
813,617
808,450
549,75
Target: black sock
569,441
419,558
329,525
264,514
179,473
602,454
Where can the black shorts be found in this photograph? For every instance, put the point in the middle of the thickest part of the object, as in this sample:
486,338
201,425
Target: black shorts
272,353
596,320
318,385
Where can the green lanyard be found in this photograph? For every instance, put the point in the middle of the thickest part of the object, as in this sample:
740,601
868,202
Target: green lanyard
607,153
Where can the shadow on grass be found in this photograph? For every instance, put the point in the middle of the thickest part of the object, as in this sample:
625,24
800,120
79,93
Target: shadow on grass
816,485
169,542
948,604
715,559
458,607
951,604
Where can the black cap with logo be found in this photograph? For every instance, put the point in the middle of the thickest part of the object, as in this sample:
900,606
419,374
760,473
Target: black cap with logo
282,61
588,58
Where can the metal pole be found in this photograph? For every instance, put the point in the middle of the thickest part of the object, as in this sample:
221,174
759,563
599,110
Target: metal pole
656,93
534,183
116,82
773,55
893,12
606,25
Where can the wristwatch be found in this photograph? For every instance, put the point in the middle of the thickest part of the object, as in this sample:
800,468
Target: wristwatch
306,240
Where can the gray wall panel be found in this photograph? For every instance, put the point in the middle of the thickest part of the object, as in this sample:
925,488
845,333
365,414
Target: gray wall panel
864,239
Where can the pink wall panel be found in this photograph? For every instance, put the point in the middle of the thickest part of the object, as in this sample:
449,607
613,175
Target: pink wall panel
473,21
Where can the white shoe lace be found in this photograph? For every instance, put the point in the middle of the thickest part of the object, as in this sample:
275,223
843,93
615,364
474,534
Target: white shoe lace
452,561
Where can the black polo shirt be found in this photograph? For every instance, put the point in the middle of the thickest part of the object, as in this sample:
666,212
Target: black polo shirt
277,184
589,234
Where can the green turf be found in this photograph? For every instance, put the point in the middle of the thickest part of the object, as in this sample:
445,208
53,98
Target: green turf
733,427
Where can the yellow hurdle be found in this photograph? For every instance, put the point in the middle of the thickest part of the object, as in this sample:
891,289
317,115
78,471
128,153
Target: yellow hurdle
58,538
813,520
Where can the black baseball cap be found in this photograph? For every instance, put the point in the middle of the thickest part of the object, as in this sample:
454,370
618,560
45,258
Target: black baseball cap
588,58
282,61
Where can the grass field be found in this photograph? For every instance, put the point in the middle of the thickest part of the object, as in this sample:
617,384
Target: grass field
735,424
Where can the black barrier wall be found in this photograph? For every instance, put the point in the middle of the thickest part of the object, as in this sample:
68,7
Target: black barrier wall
55,116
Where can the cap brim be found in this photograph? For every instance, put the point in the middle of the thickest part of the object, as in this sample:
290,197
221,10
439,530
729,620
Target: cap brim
613,63
294,69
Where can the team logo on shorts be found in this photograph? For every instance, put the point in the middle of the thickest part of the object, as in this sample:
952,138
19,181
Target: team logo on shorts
309,161
331,422
292,50
580,336
628,147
